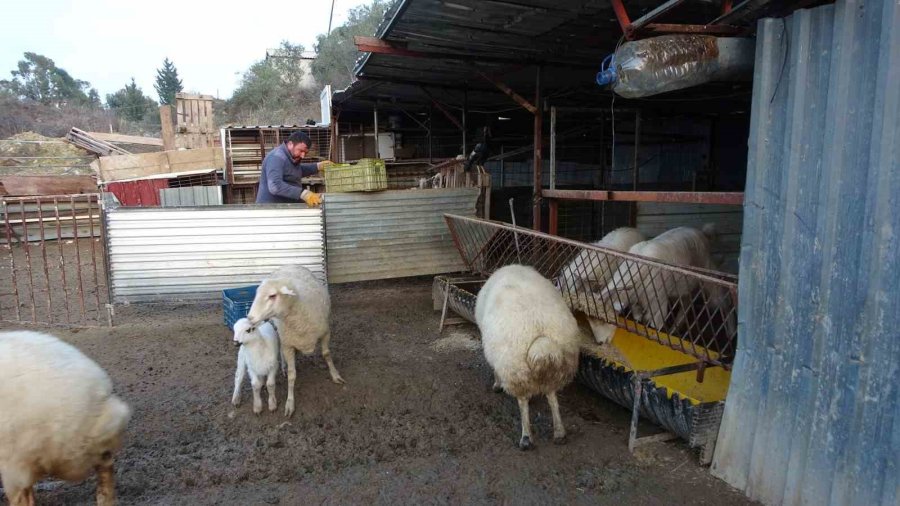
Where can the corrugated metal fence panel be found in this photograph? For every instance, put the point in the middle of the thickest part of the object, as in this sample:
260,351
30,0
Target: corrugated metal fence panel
654,218
192,253
191,196
393,234
813,415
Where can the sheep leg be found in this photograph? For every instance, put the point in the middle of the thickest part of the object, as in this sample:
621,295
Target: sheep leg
106,484
238,381
326,354
256,384
559,430
21,497
17,484
525,442
292,376
270,388
498,386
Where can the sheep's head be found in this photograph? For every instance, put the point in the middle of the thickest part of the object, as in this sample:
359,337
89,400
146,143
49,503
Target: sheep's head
244,331
272,300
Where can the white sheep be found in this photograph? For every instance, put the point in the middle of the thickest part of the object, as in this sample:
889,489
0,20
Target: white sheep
257,356
300,306
588,274
530,339
58,416
650,290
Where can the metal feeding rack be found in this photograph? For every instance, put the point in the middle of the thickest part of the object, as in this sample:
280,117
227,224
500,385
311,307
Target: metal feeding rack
677,324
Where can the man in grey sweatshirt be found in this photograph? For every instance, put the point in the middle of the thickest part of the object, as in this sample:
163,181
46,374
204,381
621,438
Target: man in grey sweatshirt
279,180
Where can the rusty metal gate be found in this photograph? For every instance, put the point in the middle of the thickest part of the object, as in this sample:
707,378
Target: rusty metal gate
54,270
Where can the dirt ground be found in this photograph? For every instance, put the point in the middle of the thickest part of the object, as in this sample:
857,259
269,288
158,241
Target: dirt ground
416,422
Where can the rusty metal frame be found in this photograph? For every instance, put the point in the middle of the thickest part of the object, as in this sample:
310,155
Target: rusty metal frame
726,198
63,312
698,323
644,26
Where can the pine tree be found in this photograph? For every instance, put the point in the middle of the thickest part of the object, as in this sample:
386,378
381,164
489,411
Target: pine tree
167,83
130,102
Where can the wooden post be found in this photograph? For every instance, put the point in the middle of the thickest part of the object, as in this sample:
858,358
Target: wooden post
168,127
538,158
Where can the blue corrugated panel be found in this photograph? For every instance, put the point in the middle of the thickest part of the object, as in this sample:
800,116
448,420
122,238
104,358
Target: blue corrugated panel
813,415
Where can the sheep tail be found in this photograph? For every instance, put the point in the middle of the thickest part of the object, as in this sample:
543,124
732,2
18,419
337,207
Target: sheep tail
543,353
113,418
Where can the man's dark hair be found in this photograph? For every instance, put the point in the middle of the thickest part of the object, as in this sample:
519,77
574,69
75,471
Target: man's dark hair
299,136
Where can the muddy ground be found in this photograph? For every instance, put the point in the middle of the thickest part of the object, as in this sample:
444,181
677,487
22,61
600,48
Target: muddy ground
416,422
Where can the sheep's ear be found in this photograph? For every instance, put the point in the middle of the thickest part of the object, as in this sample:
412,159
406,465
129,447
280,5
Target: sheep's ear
287,291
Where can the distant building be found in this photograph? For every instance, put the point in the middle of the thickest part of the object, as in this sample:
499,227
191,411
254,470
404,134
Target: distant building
306,59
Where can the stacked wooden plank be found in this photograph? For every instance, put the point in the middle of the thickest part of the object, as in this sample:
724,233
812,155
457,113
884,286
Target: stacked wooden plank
154,165
99,147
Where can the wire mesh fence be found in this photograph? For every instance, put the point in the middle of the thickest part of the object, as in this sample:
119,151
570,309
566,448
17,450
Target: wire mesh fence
690,310
54,270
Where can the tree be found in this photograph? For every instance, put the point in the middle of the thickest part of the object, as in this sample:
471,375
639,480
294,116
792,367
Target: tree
130,102
273,82
167,83
38,78
336,52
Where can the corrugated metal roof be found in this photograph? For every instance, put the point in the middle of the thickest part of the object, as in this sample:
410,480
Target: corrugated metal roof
393,234
192,253
813,415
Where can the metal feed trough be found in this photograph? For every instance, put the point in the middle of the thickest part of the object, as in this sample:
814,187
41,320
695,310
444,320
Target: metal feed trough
673,328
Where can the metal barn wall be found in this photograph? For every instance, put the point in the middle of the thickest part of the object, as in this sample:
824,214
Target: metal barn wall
393,234
191,196
654,218
193,253
813,415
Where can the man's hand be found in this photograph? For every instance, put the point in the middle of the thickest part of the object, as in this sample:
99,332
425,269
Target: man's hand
312,199
324,165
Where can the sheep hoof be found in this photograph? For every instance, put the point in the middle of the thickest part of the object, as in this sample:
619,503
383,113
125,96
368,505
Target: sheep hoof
525,443
288,410
559,439
257,409
496,388
338,380
235,401
272,407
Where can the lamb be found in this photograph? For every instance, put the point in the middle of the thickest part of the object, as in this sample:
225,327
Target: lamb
589,272
300,306
634,284
58,416
530,339
257,356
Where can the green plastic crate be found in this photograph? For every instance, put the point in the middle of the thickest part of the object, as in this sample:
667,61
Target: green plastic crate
368,174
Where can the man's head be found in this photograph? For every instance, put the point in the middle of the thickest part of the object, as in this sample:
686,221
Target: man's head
298,145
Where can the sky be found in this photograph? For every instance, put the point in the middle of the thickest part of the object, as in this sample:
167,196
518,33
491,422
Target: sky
108,42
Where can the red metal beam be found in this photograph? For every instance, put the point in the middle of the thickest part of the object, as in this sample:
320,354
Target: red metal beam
538,155
553,226
443,110
622,16
376,45
519,99
727,198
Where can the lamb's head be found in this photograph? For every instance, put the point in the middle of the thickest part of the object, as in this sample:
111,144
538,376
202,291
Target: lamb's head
244,332
621,291
273,299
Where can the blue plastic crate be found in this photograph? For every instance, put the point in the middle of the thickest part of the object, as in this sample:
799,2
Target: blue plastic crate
236,303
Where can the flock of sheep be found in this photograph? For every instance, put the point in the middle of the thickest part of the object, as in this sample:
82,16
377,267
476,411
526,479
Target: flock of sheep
60,417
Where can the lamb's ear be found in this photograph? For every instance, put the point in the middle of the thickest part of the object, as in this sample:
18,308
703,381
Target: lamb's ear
287,291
